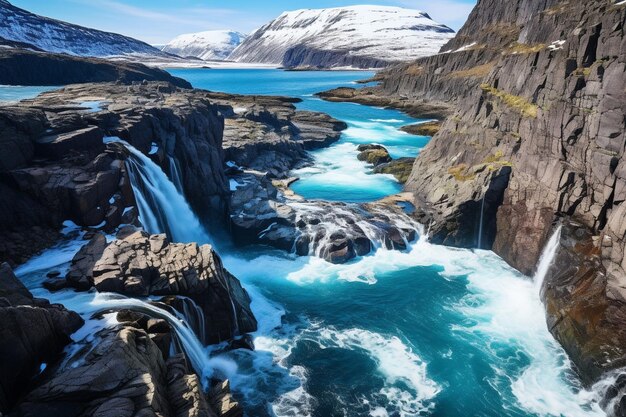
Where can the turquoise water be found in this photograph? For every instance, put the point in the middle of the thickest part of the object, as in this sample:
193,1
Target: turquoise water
337,174
16,93
432,331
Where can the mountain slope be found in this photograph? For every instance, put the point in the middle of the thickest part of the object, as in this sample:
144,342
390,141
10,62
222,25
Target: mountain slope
209,45
19,25
359,36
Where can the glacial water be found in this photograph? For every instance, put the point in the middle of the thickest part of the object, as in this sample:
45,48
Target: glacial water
337,174
432,331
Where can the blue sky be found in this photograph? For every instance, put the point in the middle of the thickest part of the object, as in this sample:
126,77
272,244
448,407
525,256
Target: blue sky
158,21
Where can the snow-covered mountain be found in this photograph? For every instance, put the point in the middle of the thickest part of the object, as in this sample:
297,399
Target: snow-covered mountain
209,45
359,36
19,25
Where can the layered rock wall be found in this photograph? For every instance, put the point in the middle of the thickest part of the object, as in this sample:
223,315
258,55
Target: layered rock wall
538,98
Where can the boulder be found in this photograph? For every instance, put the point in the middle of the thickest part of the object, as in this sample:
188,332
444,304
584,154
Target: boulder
139,264
33,333
400,168
373,154
122,373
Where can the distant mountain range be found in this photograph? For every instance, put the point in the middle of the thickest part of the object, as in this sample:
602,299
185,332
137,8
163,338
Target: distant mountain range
210,45
357,36
19,27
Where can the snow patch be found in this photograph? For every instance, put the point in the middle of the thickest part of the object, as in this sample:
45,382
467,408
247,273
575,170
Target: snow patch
381,32
213,44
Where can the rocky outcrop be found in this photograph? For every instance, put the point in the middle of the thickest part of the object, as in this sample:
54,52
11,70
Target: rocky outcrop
373,154
267,134
377,97
28,67
33,334
584,313
123,373
138,264
537,131
423,129
267,212
62,170
400,168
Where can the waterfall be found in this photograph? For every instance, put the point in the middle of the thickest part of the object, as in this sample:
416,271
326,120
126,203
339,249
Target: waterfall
547,258
194,315
193,348
162,208
480,225
175,176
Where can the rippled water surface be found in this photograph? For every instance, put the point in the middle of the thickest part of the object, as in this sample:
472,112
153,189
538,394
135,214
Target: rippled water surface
430,331
433,331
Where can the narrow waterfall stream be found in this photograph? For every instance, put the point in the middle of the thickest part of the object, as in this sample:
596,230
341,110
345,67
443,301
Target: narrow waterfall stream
547,258
192,347
175,175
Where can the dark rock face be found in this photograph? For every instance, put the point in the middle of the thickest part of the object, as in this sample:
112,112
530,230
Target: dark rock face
580,315
267,212
25,67
62,170
537,132
307,57
267,133
138,265
33,332
122,374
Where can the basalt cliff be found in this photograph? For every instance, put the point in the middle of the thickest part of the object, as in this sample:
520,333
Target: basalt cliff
536,102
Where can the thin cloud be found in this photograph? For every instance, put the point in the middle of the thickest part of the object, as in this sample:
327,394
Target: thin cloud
449,12
183,16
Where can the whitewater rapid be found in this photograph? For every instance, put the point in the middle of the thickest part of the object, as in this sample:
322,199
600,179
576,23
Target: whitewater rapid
428,331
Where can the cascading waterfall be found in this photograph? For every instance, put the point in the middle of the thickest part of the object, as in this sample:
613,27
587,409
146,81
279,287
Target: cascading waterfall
480,225
547,258
175,175
191,345
162,208
374,225
194,315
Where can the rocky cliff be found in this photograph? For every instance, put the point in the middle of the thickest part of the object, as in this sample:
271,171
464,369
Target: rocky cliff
537,95
19,66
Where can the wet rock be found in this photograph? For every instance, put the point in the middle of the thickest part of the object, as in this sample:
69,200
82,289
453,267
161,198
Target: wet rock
33,332
373,154
260,213
80,274
400,168
587,323
267,134
140,264
223,402
122,374
423,129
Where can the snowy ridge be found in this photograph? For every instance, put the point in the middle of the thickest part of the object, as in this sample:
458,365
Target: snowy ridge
19,25
386,34
209,45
